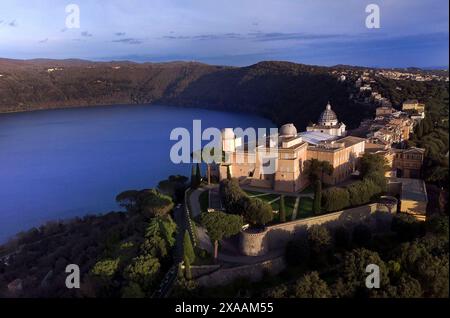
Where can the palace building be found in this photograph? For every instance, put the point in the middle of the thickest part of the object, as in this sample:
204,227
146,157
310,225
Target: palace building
280,163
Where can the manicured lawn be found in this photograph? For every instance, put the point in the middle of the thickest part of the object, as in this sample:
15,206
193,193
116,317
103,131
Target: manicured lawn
308,189
289,203
305,208
250,193
204,201
268,197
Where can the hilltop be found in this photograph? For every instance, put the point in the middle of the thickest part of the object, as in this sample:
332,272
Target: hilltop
280,91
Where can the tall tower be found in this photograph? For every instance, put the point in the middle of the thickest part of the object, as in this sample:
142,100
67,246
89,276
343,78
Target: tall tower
228,140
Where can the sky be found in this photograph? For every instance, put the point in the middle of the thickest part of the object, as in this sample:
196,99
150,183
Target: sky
412,33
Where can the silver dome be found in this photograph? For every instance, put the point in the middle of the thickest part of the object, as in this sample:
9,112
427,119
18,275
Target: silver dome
327,116
288,130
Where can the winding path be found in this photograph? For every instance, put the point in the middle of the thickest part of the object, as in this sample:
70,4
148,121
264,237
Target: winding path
227,253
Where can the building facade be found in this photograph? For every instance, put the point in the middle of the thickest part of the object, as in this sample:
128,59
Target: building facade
342,154
402,163
407,163
384,111
414,108
280,164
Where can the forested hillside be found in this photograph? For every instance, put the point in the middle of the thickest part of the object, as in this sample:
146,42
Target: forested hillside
281,91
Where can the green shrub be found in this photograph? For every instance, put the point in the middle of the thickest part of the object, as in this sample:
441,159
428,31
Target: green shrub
105,268
256,212
335,199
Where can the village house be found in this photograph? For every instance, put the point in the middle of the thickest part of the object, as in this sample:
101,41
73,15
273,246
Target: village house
414,108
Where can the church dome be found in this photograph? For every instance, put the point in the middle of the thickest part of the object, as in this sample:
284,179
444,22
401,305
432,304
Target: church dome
288,130
328,117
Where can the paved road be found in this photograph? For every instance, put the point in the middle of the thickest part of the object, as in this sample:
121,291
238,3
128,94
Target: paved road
180,220
227,252
194,199
270,191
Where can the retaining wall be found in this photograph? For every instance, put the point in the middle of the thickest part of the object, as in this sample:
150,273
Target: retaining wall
378,216
253,272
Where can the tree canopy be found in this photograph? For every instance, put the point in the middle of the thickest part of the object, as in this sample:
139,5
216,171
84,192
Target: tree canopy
316,169
311,286
236,201
256,212
149,202
220,225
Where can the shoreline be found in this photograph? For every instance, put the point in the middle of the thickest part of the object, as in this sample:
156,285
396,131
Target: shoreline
60,107
174,108
209,108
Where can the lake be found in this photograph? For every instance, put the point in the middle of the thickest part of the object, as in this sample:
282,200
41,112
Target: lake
58,164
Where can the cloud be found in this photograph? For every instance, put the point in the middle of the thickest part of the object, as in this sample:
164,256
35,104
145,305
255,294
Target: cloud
203,37
119,33
13,23
44,40
128,41
86,34
257,36
178,37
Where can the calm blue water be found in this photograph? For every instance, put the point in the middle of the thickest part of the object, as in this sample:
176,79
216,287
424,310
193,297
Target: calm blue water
58,164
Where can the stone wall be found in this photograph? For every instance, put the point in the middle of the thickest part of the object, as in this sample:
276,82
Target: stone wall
253,272
201,270
253,243
376,215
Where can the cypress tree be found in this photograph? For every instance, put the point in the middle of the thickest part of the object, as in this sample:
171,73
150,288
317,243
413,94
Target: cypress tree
317,197
188,249
282,209
187,269
193,177
419,130
228,173
180,271
198,176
